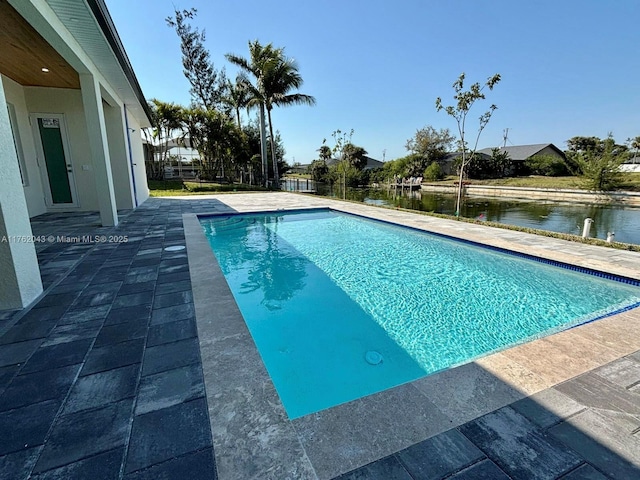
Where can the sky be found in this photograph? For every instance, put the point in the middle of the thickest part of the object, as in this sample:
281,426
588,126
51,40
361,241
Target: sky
568,67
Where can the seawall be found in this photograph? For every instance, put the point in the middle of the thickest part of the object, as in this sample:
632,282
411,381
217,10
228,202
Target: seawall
550,194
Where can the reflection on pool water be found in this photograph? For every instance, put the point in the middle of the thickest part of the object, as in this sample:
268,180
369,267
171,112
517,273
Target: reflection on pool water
341,307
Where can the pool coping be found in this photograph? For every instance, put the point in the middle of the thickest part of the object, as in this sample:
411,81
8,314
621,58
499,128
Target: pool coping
252,433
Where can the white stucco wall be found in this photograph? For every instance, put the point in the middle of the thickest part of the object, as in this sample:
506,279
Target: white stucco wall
119,156
69,102
20,280
14,94
137,153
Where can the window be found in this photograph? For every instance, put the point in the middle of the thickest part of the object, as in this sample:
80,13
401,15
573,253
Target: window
18,144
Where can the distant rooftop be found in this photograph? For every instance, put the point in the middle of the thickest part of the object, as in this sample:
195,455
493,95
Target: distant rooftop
522,152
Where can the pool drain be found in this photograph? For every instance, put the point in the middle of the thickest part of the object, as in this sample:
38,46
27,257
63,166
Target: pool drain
373,358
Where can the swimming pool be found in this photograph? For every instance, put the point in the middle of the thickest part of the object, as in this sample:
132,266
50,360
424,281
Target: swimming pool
341,307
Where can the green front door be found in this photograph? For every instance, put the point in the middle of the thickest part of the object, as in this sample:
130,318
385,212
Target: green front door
56,163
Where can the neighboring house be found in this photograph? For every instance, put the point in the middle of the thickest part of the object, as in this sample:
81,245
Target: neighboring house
520,153
447,162
517,153
371,163
71,112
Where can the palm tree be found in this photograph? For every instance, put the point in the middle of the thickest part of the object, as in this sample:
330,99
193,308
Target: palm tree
256,65
168,118
325,153
275,77
237,97
216,138
281,78
355,155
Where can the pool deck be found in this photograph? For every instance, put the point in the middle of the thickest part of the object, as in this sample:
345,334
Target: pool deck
116,367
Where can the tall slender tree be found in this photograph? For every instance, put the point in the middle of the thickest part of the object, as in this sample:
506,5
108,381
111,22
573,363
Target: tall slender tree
256,65
237,97
208,84
465,99
275,77
281,78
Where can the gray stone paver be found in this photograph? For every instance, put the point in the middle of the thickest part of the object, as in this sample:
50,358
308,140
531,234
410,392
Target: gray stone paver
518,447
587,425
71,365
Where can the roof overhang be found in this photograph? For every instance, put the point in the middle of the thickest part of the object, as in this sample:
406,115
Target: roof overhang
71,34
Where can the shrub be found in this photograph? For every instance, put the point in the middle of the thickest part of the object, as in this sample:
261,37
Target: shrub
547,165
433,172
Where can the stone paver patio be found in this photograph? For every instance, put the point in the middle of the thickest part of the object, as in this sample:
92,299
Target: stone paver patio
125,368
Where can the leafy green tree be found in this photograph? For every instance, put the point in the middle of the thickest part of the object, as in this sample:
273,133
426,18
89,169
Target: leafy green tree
579,148
464,101
430,145
208,85
402,167
601,170
433,172
547,165
319,170
217,139
585,144
497,165
345,174
355,155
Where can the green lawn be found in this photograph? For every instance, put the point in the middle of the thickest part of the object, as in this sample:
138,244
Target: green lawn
172,188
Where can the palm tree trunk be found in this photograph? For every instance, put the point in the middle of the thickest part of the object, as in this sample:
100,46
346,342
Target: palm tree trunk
238,117
263,148
276,176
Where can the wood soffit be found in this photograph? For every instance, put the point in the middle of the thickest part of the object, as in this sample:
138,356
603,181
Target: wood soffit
24,53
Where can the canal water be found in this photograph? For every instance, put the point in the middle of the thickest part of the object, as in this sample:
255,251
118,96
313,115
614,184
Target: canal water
624,222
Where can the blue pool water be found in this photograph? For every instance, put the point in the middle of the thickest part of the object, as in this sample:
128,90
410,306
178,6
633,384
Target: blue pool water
341,307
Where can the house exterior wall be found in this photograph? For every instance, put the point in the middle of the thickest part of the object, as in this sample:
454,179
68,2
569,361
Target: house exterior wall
15,95
69,103
20,280
137,156
119,156
549,151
